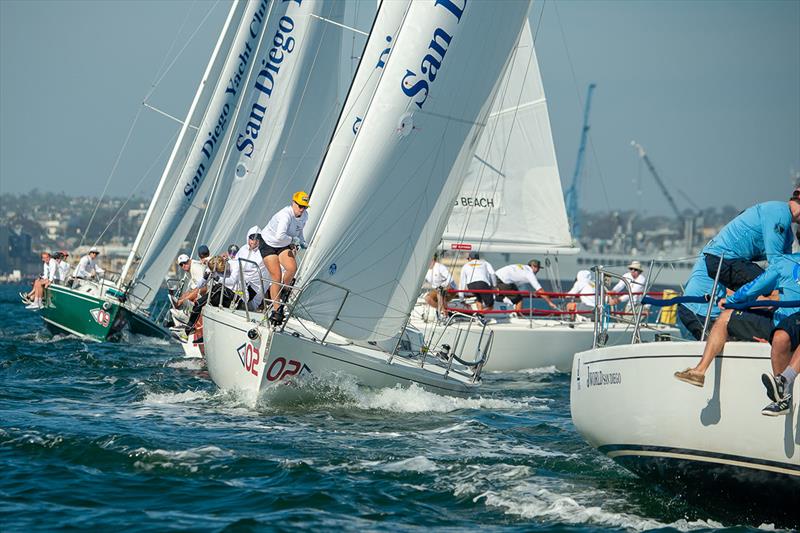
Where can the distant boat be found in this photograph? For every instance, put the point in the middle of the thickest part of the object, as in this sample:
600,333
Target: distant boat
512,203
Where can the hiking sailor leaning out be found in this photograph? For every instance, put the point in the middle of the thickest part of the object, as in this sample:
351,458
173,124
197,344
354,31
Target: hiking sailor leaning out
87,267
278,244
49,272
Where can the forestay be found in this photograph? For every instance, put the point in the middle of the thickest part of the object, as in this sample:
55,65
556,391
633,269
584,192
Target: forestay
407,164
188,175
511,200
288,115
385,26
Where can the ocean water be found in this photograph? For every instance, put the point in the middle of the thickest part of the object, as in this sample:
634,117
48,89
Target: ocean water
131,435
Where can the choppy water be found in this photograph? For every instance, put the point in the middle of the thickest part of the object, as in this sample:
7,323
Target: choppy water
130,435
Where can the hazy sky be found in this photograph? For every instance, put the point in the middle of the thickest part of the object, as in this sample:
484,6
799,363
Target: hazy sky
710,89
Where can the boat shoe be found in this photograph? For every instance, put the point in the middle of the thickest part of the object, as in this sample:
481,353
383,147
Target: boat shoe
691,377
775,386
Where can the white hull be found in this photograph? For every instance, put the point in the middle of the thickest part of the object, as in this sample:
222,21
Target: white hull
249,366
520,344
703,441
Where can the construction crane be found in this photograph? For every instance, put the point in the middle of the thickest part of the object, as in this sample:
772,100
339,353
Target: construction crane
571,195
663,187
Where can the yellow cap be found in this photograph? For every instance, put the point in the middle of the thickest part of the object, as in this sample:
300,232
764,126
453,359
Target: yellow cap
300,198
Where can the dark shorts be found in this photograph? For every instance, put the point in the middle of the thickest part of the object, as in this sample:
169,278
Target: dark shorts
515,298
692,321
267,250
734,272
485,298
744,325
791,325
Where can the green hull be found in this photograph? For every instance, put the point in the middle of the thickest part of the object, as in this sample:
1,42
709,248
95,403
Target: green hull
81,314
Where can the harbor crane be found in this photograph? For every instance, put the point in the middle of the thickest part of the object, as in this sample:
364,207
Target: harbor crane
571,194
663,187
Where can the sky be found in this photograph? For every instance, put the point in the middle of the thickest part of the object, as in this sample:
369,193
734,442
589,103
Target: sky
711,89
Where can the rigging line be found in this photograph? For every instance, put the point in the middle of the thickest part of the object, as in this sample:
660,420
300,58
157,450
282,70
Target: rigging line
191,37
580,103
539,23
345,26
172,117
133,125
111,175
136,188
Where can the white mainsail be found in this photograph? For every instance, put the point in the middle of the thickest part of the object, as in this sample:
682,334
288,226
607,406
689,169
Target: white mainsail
377,50
407,164
185,182
512,200
286,123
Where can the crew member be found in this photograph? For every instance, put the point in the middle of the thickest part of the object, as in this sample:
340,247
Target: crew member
759,232
510,277
637,281
440,280
693,315
279,241
477,274
87,267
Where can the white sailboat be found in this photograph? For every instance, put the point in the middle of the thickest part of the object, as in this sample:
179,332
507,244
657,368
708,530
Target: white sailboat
512,203
386,210
710,444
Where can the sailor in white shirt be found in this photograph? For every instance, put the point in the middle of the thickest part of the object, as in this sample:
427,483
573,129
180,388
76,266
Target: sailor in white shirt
194,271
510,277
584,285
279,240
62,267
87,267
637,281
477,274
440,280
256,276
197,270
49,269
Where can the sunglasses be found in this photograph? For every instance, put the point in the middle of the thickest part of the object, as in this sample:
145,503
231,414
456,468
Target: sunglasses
301,206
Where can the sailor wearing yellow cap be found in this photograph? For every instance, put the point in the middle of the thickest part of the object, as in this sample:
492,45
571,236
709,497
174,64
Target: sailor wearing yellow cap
279,239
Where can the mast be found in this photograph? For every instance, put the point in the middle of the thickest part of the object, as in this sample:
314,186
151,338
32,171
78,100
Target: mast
184,128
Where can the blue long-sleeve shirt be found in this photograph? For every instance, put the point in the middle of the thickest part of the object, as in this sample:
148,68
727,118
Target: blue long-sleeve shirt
783,274
759,232
700,284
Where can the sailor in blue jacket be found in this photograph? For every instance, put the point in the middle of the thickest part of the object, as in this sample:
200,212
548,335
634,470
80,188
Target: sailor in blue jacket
758,233
782,275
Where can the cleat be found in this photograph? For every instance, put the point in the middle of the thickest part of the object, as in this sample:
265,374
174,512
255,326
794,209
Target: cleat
775,386
781,407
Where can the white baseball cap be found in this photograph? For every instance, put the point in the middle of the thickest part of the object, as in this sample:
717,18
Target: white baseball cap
94,249
183,258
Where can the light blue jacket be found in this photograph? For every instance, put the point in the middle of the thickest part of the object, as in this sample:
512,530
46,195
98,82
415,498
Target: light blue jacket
699,284
758,233
783,274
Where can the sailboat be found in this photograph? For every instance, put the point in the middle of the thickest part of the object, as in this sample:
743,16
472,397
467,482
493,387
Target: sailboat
711,444
429,97
512,203
100,311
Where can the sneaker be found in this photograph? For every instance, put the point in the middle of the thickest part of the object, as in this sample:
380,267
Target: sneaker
691,377
34,305
775,386
180,334
276,317
781,407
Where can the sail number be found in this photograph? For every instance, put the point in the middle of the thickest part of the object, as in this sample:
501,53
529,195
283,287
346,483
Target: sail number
249,356
282,369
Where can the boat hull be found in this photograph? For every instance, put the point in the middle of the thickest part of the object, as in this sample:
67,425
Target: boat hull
711,444
84,315
520,344
236,361
140,324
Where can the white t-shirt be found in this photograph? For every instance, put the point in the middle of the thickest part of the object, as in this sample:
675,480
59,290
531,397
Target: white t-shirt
196,272
50,270
283,226
62,270
584,285
438,276
518,275
87,268
477,270
253,273
637,285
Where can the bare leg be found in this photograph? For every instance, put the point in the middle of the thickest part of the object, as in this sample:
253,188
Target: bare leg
715,343
780,354
795,361
289,264
274,268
